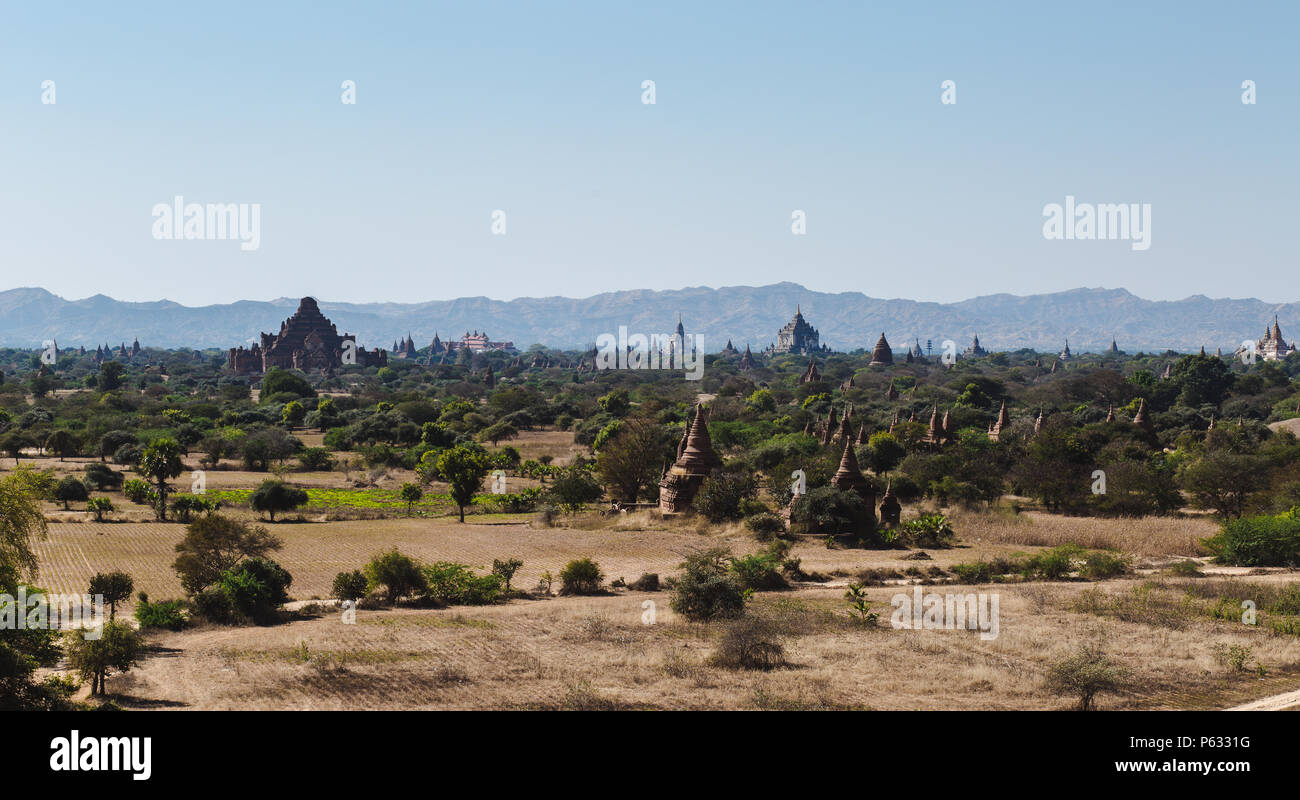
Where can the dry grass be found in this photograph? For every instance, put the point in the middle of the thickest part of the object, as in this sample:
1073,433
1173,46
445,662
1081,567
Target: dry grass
1148,536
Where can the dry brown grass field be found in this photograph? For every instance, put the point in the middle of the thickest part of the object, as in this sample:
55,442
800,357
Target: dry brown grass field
596,652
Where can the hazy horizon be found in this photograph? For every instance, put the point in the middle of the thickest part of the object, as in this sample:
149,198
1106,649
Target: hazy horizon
760,111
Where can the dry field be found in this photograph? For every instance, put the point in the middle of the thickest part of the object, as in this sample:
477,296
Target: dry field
597,652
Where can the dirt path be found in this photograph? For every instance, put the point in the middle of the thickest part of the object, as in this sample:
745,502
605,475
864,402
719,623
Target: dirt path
1277,702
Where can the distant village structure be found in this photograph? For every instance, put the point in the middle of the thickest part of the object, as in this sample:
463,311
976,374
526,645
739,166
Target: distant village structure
306,341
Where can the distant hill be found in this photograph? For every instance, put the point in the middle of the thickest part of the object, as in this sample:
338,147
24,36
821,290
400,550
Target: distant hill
1088,318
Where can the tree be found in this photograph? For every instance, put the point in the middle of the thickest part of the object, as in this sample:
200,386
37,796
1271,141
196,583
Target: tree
399,574
113,441
117,648
21,521
884,452
464,468
114,586
573,488
279,381
411,493
349,585
630,462
293,413
1223,481
214,544
13,443
186,506
160,462
1086,674
498,431
100,506
721,495
110,375
273,496
62,443
70,489
506,569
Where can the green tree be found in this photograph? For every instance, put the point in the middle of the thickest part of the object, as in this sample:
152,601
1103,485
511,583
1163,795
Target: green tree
293,413
464,468
110,375
70,489
117,648
884,452
399,574
411,493
279,381
630,462
573,488
100,506
273,496
114,586
62,443
214,544
160,462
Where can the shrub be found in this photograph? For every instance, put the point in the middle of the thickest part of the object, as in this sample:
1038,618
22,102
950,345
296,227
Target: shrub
506,569
758,572
707,589
750,642
449,583
399,574
721,495
168,614
765,526
255,589
927,530
1186,569
100,506
138,492
1086,674
1263,541
316,459
349,585
1100,565
648,582
103,477
832,511
186,506
581,576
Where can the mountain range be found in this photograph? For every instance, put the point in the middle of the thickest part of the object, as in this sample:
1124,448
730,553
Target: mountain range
1087,318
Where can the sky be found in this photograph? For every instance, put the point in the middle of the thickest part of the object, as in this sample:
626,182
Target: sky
536,110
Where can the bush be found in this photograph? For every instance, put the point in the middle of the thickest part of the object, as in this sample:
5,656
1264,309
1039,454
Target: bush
750,642
1100,565
138,492
103,477
316,459
581,576
759,572
168,614
1086,674
648,582
399,574
1263,541
350,585
707,589
254,590
832,511
186,506
765,526
100,506
449,583
927,530
721,495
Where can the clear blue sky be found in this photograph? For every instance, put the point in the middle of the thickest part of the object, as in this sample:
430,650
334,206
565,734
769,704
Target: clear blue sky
535,109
